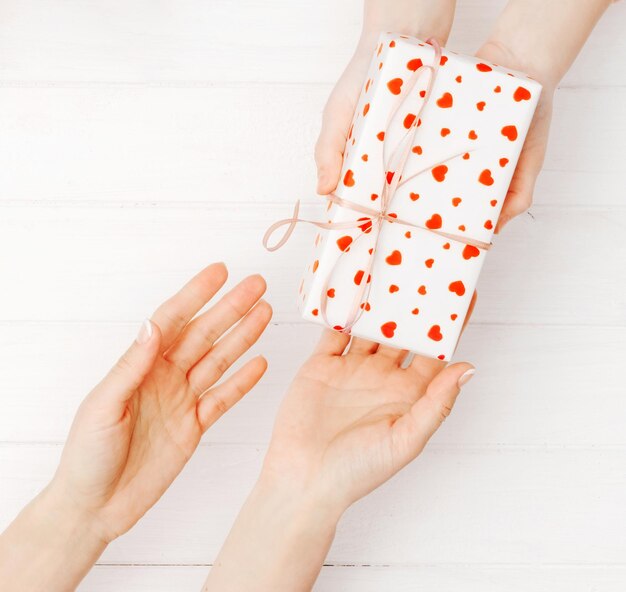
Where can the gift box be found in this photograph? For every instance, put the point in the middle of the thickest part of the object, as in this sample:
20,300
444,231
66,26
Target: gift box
429,158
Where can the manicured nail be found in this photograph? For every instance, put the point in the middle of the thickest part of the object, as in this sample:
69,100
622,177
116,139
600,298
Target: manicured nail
466,376
145,332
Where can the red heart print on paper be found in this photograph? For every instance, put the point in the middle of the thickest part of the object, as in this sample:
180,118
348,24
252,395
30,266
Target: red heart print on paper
457,288
435,333
521,94
344,242
456,201
414,64
470,251
408,120
485,177
395,258
445,101
429,263
331,293
509,132
393,288
480,105
358,277
434,222
348,179
439,172
388,329
395,86
483,67
414,196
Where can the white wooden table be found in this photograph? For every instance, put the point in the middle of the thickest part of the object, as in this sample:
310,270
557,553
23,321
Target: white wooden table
141,140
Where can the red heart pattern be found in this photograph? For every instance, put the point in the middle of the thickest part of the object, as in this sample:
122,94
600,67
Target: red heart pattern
485,178
388,329
445,101
434,222
395,86
521,94
509,132
457,287
439,173
395,258
472,101
434,333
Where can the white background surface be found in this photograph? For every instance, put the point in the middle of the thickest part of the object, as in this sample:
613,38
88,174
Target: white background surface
141,140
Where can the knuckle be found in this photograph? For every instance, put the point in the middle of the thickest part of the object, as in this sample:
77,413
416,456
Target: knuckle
219,404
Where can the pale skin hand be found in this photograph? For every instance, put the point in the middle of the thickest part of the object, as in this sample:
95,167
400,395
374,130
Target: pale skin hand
419,18
135,431
347,424
537,37
541,39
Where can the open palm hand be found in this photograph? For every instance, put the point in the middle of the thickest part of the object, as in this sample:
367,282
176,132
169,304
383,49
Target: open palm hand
137,429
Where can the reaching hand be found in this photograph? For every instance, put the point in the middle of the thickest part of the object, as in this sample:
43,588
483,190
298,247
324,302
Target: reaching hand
136,430
351,421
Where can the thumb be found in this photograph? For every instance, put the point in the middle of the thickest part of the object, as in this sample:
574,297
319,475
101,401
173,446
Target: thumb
131,369
417,426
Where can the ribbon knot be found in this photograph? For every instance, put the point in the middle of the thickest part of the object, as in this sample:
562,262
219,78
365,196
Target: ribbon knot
393,179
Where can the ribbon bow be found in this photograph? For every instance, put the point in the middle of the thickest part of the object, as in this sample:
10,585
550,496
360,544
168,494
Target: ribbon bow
374,219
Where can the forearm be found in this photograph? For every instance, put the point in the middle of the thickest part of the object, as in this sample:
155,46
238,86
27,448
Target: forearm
544,37
278,542
49,546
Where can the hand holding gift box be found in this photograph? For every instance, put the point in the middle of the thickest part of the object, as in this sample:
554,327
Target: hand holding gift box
428,160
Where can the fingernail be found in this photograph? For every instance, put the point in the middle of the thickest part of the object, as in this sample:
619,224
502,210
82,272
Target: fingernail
145,332
466,376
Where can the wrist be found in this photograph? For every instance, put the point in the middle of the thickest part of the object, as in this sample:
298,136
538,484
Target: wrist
278,542
50,545
418,18
304,507
58,512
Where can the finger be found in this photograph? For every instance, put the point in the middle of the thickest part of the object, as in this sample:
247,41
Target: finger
331,142
393,354
131,369
199,335
332,343
175,313
363,347
230,348
214,403
413,430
